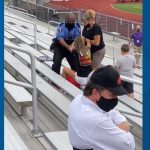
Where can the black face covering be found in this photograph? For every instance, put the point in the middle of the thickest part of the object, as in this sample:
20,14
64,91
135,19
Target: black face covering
70,26
106,104
138,30
88,25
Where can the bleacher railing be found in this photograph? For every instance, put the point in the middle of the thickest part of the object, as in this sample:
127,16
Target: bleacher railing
32,86
33,23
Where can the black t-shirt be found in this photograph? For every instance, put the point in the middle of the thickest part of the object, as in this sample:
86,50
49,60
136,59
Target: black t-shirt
82,71
90,33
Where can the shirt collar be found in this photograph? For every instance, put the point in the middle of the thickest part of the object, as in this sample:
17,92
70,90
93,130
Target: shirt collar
87,101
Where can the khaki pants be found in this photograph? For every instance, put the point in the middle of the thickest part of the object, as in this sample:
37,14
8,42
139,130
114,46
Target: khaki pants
138,51
97,58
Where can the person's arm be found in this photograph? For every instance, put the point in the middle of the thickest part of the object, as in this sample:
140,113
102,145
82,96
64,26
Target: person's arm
109,136
88,43
60,37
124,126
96,40
64,44
117,65
97,33
119,120
117,68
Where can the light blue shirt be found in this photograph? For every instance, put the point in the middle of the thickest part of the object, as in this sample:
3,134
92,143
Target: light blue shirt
63,32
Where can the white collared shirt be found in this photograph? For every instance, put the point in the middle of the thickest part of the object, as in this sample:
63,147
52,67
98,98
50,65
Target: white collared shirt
90,127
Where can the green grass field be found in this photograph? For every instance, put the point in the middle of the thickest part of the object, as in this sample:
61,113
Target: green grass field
132,8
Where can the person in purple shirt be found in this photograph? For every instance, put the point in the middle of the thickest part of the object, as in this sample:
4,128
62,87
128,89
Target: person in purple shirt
136,40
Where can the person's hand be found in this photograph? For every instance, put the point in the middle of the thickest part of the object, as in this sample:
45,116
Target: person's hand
124,126
70,48
88,42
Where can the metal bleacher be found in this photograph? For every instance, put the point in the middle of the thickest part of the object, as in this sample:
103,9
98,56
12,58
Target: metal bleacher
54,93
12,139
17,95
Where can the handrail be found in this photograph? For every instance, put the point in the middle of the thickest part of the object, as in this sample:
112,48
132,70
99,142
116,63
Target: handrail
11,7
34,24
66,12
131,80
22,84
113,57
35,130
20,12
130,113
21,32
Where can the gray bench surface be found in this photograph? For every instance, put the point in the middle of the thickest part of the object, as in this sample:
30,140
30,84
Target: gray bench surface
43,40
51,75
69,88
6,41
9,36
19,94
11,137
61,102
59,140
115,35
20,37
55,97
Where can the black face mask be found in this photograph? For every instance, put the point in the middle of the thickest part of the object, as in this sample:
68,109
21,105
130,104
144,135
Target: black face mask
88,25
138,30
106,104
70,26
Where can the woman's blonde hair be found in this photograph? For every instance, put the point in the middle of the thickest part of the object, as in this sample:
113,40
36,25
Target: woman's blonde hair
89,14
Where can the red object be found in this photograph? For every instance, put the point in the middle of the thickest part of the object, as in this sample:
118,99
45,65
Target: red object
71,80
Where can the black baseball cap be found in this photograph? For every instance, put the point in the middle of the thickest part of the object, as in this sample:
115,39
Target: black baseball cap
108,78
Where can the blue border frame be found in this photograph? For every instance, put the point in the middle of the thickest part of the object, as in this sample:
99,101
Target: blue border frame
146,74
2,75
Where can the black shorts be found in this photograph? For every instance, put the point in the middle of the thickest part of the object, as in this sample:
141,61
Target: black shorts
128,86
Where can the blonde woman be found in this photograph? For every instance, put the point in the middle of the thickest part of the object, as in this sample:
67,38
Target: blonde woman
92,31
83,63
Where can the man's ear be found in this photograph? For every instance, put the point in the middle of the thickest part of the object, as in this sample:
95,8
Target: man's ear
95,94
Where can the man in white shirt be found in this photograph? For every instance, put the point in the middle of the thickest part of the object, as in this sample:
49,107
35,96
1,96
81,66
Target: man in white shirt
93,123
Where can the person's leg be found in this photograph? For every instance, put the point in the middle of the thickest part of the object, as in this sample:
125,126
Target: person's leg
140,50
71,60
57,59
68,72
131,95
136,55
97,58
129,88
69,75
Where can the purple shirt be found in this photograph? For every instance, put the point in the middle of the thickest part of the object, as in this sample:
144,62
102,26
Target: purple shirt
137,39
